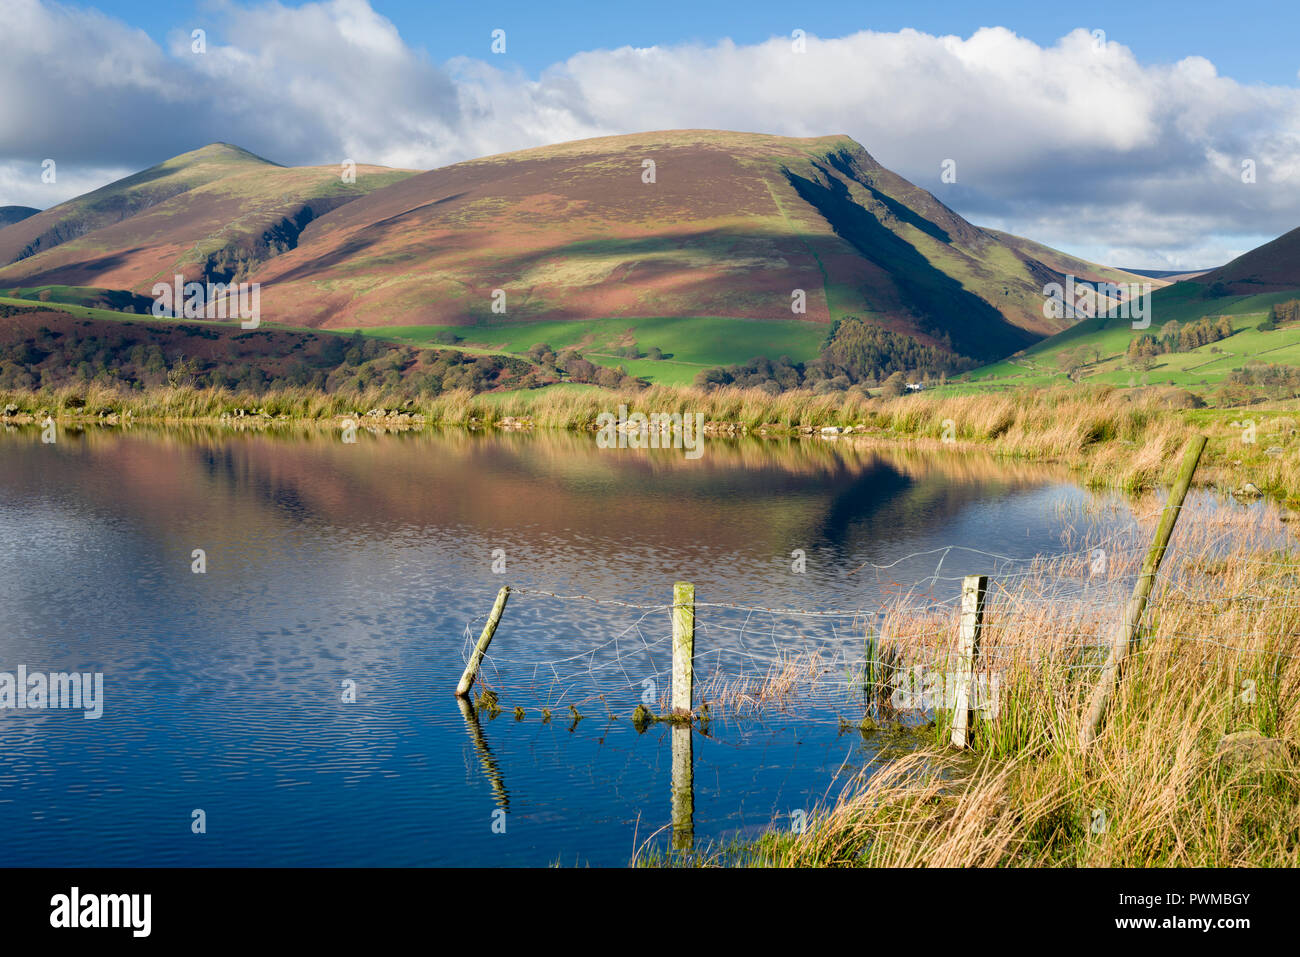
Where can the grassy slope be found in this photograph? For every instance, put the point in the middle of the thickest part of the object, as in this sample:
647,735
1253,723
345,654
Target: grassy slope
693,343
1182,302
90,312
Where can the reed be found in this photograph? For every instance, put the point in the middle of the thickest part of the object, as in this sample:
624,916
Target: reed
1161,787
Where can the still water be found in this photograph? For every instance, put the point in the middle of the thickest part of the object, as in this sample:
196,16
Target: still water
331,567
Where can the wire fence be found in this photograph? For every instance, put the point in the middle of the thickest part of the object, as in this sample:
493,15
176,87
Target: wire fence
1046,611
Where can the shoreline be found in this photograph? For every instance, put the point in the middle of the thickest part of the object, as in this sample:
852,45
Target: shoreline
1111,438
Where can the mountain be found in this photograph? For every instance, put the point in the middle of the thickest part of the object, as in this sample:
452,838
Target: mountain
214,213
1273,267
1064,263
680,226
1169,275
15,214
731,224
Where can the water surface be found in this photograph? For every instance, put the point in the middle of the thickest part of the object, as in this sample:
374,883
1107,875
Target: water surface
329,563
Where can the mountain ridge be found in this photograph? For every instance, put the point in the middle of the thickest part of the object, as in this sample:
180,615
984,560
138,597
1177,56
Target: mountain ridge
675,223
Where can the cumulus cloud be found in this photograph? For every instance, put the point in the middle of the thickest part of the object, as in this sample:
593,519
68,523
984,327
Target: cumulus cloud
1076,144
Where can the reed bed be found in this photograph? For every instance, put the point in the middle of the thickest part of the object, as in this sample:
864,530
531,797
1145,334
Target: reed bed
1198,763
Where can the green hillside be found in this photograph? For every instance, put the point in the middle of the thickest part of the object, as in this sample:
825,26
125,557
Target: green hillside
1106,341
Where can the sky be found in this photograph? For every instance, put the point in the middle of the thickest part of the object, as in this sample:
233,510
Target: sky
1149,135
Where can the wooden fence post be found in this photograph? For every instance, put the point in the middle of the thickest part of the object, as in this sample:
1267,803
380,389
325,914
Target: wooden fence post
485,639
1126,633
973,589
683,647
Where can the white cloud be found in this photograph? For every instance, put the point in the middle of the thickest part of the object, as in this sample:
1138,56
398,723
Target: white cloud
1072,144
21,183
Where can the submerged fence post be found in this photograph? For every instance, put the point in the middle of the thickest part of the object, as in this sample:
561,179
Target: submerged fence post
973,590
485,639
1127,631
683,647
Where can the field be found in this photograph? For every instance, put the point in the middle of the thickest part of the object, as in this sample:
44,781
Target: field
690,345
1183,302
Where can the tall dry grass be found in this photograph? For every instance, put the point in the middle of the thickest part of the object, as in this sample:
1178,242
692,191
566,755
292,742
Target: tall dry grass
1115,438
1220,656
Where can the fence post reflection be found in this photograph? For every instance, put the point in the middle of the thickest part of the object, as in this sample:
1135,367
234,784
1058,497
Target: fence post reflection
485,756
683,804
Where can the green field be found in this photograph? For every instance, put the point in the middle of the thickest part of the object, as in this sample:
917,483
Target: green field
691,344
81,312
1183,302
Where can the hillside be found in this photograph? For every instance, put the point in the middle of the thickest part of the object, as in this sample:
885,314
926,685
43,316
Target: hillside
1064,263
214,213
122,199
1273,267
54,346
1101,346
732,224
15,214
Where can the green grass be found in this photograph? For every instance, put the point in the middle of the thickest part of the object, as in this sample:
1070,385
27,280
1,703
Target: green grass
81,312
693,343
1200,368
66,295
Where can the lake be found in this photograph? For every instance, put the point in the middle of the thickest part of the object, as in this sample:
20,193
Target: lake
298,692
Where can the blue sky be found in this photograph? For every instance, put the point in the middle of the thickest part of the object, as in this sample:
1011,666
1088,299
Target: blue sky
1130,148
1250,41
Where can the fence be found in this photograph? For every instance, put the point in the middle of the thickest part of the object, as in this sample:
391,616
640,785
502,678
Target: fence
1227,596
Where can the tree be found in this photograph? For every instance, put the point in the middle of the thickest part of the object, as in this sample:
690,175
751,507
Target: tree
895,385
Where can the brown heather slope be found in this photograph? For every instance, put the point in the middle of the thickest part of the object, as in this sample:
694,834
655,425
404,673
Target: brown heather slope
1273,267
733,224
214,213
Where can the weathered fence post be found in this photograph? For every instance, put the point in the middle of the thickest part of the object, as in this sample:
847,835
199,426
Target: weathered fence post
973,589
1126,633
683,647
485,639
